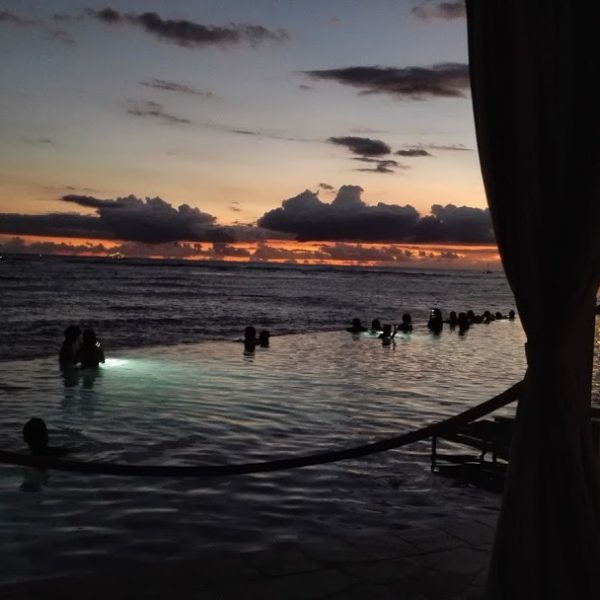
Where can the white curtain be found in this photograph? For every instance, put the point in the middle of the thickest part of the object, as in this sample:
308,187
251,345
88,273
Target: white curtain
534,66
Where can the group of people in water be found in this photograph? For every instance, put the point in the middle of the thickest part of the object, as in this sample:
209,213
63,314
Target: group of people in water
252,340
80,350
463,321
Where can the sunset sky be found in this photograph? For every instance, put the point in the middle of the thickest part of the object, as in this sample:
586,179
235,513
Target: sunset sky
355,114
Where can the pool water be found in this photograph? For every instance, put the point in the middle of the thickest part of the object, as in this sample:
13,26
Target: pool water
213,403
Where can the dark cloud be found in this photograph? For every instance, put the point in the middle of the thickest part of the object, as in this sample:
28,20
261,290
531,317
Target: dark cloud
412,152
362,146
450,147
326,187
170,86
349,218
413,83
190,34
379,166
150,221
304,217
429,11
13,19
54,225
452,223
148,108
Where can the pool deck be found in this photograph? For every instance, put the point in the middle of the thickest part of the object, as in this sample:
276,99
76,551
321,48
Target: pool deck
442,559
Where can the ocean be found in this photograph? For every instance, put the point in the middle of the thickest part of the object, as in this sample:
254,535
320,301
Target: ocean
139,303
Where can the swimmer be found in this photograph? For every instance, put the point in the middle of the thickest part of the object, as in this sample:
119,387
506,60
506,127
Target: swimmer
406,325
435,323
263,338
68,356
356,327
35,435
91,353
387,336
452,319
463,323
375,327
511,315
250,340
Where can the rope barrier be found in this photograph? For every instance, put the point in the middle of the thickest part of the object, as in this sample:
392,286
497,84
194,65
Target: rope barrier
100,468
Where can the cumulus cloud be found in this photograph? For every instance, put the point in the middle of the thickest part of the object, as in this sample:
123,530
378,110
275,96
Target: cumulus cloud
362,146
349,218
346,218
452,223
170,86
156,110
190,34
412,152
132,219
448,80
429,11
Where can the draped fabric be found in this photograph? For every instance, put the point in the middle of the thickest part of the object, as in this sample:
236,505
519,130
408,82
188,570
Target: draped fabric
537,116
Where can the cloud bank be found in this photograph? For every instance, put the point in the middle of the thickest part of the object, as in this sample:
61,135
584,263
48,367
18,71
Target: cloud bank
305,217
349,218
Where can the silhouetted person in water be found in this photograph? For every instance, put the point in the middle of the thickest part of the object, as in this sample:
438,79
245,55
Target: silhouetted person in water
473,318
387,336
511,315
91,353
487,317
250,339
35,434
463,323
406,325
68,356
435,323
499,316
263,338
375,326
356,326
452,319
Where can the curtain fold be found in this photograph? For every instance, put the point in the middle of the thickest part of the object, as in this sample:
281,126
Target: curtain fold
536,109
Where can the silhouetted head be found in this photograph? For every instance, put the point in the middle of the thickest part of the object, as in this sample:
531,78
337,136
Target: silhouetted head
356,323
35,434
263,337
498,315
375,325
406,319
72,333
387,329
453,318
249,333
511,314
436,314
89,337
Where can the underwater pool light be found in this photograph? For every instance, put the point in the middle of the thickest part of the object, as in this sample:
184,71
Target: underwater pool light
109,363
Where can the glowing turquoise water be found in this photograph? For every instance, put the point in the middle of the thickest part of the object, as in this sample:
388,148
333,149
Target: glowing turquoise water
212,403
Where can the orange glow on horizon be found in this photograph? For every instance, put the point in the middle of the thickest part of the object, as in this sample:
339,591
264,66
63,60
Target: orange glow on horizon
275,251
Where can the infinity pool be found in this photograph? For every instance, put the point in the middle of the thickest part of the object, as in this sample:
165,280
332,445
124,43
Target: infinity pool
211,403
